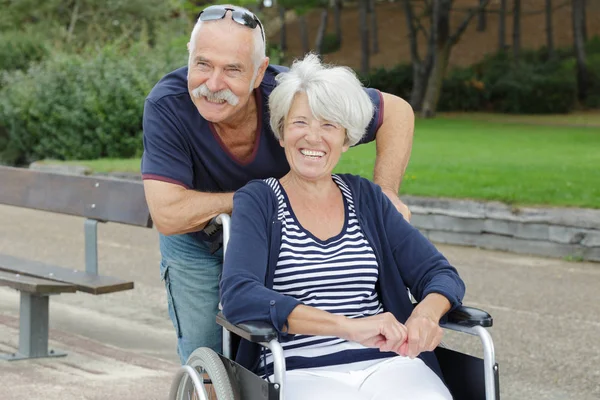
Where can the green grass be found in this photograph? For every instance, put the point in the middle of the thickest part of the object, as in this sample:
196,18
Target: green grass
514,163
580,118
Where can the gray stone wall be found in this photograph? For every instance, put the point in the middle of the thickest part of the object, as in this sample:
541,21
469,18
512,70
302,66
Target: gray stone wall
556,232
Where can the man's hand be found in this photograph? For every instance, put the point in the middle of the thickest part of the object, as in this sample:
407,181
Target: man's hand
400,206
424,334
382,331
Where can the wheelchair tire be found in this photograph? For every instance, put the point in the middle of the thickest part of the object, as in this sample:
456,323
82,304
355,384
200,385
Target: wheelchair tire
207,361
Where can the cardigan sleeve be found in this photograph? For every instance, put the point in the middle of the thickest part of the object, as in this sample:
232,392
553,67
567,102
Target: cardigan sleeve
422,267
244,296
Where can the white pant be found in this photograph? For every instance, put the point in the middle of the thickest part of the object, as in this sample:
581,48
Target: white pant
393,378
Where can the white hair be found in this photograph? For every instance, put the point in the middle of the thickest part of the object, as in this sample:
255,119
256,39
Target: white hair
334,94
259,53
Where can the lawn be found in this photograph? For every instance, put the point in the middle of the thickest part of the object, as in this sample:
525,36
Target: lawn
513,163
519,164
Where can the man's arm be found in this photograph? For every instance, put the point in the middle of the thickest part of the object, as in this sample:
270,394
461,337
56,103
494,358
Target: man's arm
394,143
176,210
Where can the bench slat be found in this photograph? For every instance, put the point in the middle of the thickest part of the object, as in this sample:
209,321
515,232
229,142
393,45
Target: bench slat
98,198
94,284
34,285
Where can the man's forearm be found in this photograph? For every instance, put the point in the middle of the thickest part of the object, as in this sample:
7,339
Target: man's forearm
176,210
394,142
197,210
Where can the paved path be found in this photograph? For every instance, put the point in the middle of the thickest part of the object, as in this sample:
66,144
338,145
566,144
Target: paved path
121,346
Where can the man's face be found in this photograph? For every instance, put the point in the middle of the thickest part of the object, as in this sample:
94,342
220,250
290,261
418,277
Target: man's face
221,70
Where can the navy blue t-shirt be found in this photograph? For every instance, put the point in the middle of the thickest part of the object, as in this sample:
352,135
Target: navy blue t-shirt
181,147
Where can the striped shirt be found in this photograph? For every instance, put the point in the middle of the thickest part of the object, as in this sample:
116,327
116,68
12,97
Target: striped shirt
338,275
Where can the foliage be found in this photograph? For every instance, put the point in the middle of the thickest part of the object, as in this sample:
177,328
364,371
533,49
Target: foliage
331,43
462,91
529,89
81,22
18,50
593,96
397,80
73,107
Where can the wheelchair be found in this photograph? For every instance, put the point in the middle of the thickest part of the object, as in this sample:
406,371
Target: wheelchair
467,377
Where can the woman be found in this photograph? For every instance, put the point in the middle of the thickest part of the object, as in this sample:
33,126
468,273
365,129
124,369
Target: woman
327,259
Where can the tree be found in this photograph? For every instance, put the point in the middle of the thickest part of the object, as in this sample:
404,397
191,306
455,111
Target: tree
282,30
549,30
364,35
374,30
579,44
516,29
337,20
502,26
481,18
302,7
321,31
428,73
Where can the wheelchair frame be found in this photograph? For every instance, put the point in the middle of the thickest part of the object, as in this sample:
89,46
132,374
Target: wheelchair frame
467,320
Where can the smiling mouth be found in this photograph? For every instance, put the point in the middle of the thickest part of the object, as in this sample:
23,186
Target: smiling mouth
214,101
312,154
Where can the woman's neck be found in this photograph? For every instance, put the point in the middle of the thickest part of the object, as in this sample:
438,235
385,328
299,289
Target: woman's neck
317,189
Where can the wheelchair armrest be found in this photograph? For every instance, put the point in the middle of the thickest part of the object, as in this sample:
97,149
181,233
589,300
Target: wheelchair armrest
253,331
469,316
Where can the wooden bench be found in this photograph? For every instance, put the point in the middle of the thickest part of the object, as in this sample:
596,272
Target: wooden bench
95,198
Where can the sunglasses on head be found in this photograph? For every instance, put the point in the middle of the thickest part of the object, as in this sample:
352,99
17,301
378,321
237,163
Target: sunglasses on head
242,17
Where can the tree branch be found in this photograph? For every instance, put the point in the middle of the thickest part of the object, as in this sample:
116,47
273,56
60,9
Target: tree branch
463,26
412,31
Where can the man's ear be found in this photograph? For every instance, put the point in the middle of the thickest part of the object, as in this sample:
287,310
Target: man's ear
261,72
188,46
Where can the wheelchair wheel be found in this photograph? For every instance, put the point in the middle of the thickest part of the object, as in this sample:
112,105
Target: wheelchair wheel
208,364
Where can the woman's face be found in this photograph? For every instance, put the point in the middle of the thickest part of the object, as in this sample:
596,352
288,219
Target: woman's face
312,147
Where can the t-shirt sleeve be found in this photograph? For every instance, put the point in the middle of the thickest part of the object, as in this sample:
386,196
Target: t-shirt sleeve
167,155
377,119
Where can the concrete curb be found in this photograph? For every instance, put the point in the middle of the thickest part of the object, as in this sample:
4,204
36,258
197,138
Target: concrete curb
556,232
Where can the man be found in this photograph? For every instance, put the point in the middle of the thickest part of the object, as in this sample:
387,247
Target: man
206,134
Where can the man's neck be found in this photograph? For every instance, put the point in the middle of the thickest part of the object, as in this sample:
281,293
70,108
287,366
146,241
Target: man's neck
241,119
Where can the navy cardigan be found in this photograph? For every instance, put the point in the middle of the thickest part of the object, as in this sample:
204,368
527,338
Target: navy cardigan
406,260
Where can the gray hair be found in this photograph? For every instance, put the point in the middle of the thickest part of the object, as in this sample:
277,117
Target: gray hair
259,52
334,94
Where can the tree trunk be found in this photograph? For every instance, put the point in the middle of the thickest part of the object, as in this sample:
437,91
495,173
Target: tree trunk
282,30
419,74
374,30
516,29
579,44
337,20
364,36
321,31
440,30
481,18
584,22
502,26
303,33
549,30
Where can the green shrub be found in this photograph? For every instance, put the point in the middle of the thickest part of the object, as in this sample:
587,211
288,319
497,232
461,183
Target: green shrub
330,44
593,95
530,89
397,80
71,107
462,90
592,46
19,49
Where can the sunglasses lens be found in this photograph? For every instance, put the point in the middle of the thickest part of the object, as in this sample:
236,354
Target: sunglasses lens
211,14
244,19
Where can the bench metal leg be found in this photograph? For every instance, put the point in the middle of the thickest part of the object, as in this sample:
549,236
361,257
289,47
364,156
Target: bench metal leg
33,329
